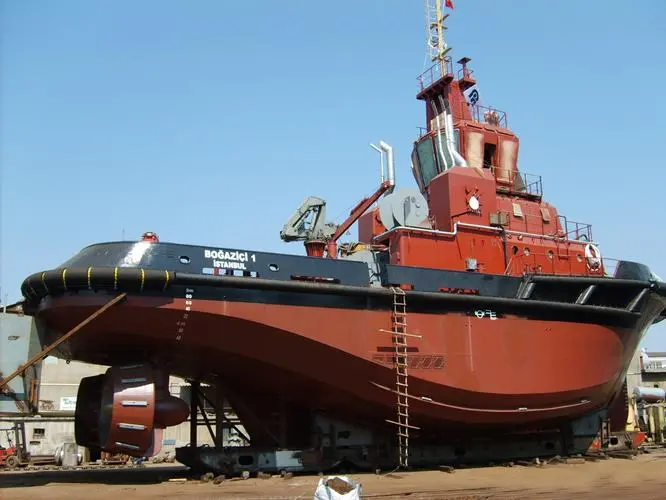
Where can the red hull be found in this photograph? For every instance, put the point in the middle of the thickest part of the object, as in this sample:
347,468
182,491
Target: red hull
328,358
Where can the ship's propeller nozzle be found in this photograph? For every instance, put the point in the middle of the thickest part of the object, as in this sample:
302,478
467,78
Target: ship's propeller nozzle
126,409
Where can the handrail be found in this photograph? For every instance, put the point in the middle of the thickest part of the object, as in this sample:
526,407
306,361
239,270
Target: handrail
532,184
435,73
476,226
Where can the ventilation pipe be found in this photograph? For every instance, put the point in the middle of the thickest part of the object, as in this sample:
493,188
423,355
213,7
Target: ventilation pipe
448,123
389,162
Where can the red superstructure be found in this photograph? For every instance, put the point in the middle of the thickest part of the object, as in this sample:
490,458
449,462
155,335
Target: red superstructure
484,214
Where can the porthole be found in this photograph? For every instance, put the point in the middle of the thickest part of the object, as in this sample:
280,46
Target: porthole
184,259
273,267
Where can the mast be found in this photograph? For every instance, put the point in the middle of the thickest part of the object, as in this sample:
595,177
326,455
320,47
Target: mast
436,46
435,79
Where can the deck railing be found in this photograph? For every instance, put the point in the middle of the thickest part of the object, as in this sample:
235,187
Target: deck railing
434,73
523,182
576,230
488,115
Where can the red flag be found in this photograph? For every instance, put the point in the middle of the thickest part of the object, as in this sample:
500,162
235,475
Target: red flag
448,3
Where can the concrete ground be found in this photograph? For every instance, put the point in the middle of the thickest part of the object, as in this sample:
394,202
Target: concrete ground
643,477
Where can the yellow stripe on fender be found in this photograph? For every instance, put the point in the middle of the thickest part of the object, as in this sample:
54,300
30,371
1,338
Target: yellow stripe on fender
44,282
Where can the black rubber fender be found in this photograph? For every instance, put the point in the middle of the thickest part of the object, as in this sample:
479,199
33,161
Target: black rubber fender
126,279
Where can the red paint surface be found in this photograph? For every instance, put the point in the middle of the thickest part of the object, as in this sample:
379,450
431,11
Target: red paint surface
323,358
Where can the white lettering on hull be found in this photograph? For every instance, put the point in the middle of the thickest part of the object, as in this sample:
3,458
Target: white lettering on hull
479,313
229,265
229,259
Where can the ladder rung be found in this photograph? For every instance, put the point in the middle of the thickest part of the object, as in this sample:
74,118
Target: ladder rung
400,333
403,425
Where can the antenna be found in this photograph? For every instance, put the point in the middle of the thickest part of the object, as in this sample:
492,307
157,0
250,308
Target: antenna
436,47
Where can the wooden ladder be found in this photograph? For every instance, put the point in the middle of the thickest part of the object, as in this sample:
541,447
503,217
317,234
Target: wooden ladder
401,363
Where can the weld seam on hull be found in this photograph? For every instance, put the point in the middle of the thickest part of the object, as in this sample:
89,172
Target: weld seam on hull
485,410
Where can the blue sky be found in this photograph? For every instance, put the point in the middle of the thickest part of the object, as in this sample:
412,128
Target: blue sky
210,121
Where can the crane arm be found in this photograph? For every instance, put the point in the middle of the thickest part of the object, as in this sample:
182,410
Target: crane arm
308,222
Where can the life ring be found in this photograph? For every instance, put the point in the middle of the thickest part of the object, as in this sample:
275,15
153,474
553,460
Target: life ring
593,256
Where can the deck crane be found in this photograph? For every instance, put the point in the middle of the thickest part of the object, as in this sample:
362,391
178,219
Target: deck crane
308,223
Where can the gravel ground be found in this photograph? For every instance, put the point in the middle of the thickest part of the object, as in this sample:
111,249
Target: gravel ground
643,477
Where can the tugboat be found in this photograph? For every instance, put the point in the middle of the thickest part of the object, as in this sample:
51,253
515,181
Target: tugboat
469,309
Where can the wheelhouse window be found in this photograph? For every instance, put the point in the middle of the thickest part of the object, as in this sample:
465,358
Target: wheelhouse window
426,164
431,156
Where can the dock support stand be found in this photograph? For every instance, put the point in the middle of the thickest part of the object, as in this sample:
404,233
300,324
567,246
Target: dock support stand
224,420
219,418
194,411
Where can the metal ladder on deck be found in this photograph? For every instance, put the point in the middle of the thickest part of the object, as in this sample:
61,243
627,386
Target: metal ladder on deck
399,334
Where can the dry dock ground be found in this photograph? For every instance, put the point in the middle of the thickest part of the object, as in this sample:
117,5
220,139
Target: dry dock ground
643,477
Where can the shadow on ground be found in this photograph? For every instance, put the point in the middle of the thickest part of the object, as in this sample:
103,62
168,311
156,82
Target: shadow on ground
138,475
